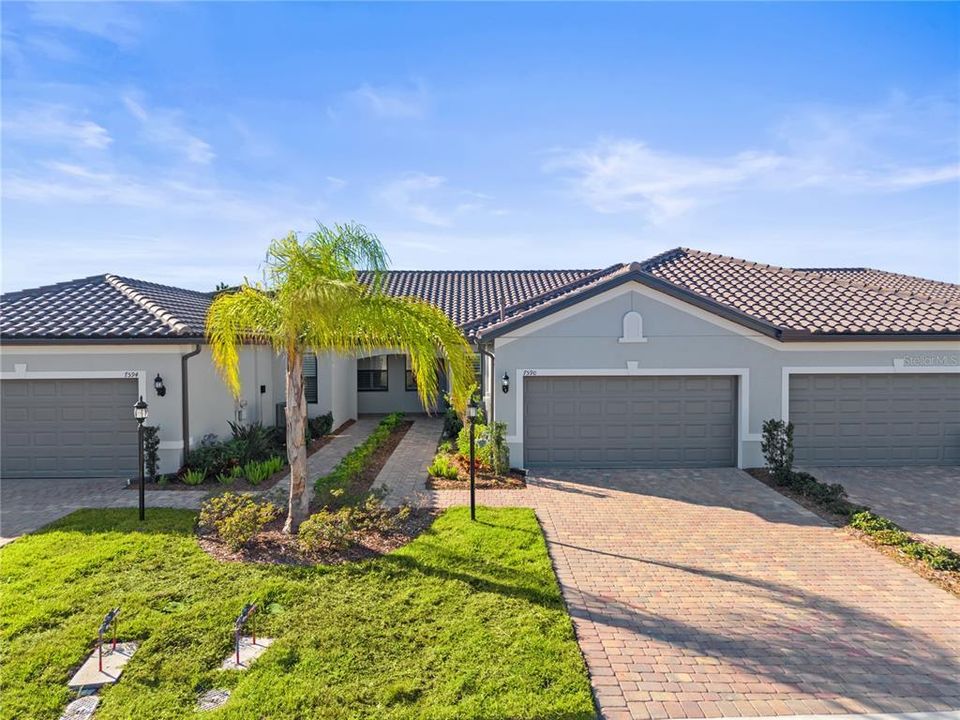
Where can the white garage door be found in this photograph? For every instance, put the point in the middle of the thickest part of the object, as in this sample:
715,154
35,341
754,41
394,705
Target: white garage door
883,419
68,428
630,421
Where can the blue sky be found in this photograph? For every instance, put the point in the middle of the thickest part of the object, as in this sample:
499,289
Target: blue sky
171,142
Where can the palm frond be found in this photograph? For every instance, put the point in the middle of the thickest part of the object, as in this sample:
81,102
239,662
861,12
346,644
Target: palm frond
235,318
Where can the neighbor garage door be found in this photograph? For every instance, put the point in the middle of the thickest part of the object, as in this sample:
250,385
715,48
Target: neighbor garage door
68,428
629,421
886,419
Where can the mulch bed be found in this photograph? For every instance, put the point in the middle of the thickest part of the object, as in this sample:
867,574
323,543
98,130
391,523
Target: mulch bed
239,485
485,479
273,546
945,579
362,484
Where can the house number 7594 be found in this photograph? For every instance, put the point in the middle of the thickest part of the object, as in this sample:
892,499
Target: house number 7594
131,374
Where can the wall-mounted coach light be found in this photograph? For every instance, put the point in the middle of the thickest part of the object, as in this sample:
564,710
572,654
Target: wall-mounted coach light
505,383
159,386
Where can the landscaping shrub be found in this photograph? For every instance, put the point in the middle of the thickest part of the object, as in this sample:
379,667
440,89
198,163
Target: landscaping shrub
320,425
257,472
326,530
891,537
443,467
777,447
490,445
887,532
351,467
193,477
236,518
151,454
870,523
252,442
452,422
373,515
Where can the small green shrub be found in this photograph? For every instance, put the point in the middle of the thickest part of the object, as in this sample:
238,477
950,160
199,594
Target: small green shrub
226,478
490,445
776,444
320,425
940,557
194,477
452,423
445,447
443,467
326,530
891,537
151,452
257,472
236,518
373,515
870,523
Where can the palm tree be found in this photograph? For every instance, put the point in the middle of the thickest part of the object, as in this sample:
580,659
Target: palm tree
311,300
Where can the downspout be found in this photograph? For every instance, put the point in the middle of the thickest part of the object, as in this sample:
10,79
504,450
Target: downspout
185,401
483,377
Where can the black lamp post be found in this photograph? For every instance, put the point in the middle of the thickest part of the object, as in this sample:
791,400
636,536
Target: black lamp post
472,416
140,413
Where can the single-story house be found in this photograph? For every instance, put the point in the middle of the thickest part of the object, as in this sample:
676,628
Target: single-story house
673,361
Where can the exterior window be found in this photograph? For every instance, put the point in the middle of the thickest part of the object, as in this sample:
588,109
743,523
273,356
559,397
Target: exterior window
310,377
409,381
372,374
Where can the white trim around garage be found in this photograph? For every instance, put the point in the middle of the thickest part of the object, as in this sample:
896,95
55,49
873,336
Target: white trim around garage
895,368
743,392
20,372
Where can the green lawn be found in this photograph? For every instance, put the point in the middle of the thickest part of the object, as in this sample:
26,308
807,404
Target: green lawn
465,622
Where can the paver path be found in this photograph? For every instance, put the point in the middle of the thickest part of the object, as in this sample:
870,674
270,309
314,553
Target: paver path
924,500
326,458
703,593
405,472
26,505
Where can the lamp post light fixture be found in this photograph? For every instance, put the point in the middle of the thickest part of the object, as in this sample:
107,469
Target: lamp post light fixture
472,417
505,383
140,413
159,386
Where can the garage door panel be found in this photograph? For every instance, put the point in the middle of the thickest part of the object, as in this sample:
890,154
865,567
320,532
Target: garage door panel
875,419
68,428
630,422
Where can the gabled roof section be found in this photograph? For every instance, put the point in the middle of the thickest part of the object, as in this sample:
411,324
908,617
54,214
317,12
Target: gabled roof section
779,302
103,307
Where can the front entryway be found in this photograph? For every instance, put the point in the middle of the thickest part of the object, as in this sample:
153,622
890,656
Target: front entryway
662,421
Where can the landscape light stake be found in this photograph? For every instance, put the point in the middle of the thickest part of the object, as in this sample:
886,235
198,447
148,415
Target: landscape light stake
472,415
140,413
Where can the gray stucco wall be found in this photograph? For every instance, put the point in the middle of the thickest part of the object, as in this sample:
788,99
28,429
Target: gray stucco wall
584,339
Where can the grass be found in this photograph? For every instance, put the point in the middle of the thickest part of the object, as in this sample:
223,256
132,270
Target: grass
467,621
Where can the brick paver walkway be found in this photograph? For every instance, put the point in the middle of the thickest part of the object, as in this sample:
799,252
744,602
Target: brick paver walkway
326,458
924,500
26,505
405,472
703,593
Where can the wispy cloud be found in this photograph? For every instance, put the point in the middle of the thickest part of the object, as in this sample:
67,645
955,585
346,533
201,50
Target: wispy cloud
900,145
109,21
165,128
430,199
57,125
397,101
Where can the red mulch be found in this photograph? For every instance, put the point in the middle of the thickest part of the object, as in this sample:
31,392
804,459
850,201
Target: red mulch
273,546
239,485
945,579
485,478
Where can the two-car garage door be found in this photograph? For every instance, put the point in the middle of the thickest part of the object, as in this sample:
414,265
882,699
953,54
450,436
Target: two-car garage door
876,419
664,421
68,428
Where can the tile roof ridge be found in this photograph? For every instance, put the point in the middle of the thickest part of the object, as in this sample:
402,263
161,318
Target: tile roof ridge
164,316
502,312
162,286
28,292
481,272
827,277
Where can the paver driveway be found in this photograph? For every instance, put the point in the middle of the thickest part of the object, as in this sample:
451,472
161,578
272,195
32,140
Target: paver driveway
704,594
26,505
924,500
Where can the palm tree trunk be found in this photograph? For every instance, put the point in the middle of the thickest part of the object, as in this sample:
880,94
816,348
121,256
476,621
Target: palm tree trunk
296,412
